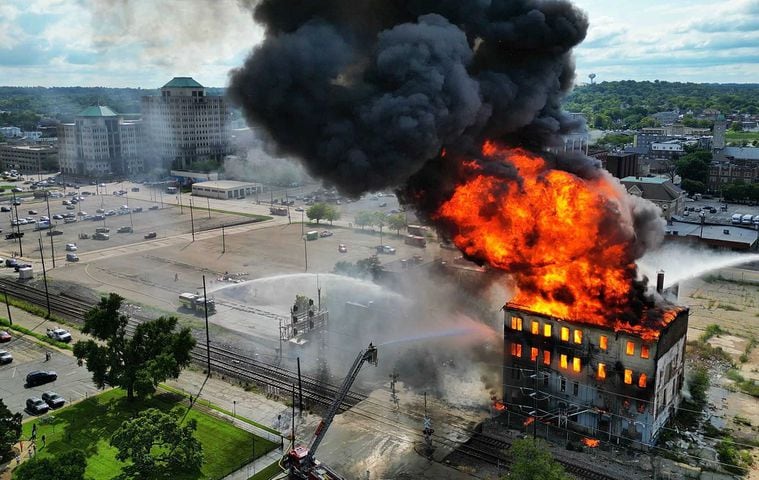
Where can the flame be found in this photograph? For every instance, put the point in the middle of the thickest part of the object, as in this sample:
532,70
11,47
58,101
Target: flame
567,241
591,442
529,421
499,405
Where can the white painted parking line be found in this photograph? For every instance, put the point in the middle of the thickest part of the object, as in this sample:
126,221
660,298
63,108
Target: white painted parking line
14,373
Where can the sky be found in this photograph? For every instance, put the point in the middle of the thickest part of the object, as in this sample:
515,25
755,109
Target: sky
144,43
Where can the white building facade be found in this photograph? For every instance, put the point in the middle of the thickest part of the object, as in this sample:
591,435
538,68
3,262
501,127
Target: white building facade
99,144
185,125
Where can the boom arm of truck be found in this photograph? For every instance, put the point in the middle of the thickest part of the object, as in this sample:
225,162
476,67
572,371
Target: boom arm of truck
368,355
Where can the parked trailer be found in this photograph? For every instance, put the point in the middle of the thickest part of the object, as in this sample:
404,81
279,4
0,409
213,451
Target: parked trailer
196,303
281,211
416,241
312,235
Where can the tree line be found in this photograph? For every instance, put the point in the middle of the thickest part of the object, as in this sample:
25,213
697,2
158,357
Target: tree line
630,104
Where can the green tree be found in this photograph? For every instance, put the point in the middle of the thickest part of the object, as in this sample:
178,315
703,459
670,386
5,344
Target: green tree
532,461
317,211
138,364
68,466
693,186
379,219
332,214
363,219
10,431
736,127
397,222
364,268
158,445
694,165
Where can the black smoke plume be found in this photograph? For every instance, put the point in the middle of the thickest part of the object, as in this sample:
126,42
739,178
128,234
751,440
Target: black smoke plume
367,92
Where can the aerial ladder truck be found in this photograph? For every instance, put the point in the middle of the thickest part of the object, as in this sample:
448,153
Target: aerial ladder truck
300,460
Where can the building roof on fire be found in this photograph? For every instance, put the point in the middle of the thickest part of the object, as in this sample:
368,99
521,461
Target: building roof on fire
182,82
653,188
97,111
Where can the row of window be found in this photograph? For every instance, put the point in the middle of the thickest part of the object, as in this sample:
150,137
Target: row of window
576,364
576,337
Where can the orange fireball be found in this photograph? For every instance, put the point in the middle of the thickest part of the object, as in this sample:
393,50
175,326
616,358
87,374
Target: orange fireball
567,241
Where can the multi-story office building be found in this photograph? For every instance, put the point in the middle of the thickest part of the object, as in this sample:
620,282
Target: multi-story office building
99,144
185,125
29,159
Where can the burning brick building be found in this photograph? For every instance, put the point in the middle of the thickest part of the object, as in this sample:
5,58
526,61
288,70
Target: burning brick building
612,385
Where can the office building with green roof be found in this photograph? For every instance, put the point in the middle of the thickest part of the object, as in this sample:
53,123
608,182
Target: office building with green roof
184,125
100,144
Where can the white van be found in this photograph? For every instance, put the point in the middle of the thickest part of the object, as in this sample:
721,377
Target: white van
737,217
756,220
747,219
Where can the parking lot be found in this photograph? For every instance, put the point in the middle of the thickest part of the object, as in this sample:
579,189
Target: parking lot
73,383
164,220
720,217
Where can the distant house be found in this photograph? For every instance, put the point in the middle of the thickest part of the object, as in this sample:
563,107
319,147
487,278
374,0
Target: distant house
661,191
717,236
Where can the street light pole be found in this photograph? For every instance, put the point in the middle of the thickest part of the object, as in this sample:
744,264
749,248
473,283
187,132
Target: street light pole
18,227
305,251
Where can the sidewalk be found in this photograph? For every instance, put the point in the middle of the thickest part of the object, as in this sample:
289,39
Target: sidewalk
253,467
36,324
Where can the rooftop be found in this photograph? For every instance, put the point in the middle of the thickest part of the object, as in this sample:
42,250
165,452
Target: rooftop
747,153
97,111
223,184
725,233
653,188
182,82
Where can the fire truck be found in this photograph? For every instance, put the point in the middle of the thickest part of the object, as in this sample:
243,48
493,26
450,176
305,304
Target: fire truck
300,459
196,302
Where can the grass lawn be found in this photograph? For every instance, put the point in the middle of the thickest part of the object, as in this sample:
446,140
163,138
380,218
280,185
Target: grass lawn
88,426
267,473
740,136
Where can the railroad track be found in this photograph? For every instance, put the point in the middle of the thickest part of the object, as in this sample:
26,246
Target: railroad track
67,307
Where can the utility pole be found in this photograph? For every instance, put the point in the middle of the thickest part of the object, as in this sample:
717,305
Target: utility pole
428,430
292,433
394,397
208,203
18,227
44,276
223,242
179,199
208,336
300,388
50,220
305,251
7,305
192,221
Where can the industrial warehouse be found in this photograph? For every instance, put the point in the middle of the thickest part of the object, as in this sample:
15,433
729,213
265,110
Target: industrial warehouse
225,189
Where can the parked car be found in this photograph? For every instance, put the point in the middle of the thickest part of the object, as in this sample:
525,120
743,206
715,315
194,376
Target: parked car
70,207
101,236
110,213
82,213
72,257
32,212
39,377
387,249
54,233
137,209
153,207
71,247
13,236
150,235
125,229
19,266
5,357
57,216
69,220
298,209
135,189
100,210
5,209
4,336
325,233
342,248
36,406
59,334
53,399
